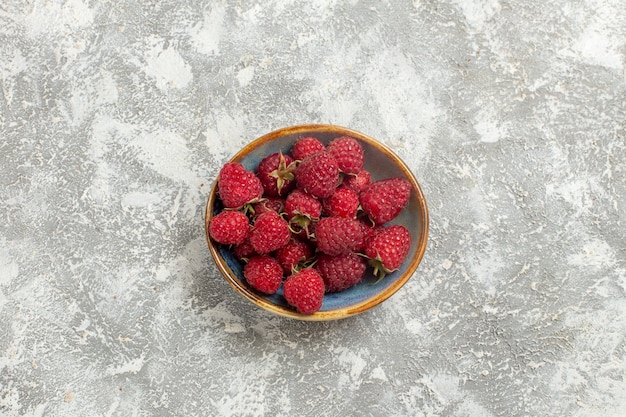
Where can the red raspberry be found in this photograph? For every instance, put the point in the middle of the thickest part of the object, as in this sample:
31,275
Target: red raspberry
337,235
348,153
305,147
388,248
340,272
318,174
383,200
305,291
343,203
357,182
264,274
244,250
276,174
229,227
299,203
293,255
302,209
270,232
238,186
369,230
267,204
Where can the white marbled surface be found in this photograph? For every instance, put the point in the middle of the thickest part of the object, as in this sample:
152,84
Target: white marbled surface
115,117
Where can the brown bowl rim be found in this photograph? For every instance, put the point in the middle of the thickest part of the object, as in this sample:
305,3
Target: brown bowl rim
345,312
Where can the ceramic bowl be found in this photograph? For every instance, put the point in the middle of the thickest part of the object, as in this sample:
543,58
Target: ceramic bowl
382,163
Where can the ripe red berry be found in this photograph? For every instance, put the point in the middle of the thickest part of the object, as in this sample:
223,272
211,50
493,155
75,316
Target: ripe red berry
302,209
238,186
263,273
305,291
302,204
266,204
348,153
357,182
388,248
229,227
269,232
244,250
369,230
383,200
318,174
293,255
343,203
276,174
341,272
337,235
305,147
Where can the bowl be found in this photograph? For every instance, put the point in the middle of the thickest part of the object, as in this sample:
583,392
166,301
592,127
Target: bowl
382,163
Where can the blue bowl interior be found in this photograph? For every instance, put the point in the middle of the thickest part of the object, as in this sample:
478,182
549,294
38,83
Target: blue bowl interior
380,166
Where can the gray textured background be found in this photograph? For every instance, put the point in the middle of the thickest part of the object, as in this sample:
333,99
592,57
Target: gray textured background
115,117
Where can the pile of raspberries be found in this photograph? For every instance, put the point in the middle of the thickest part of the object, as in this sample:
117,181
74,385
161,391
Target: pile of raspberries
313,216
